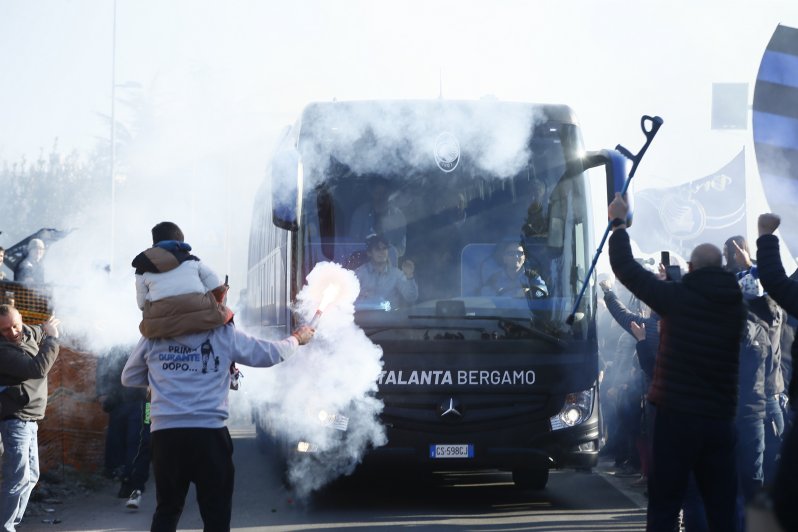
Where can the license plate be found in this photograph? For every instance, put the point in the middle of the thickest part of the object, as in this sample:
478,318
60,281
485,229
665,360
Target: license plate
452,450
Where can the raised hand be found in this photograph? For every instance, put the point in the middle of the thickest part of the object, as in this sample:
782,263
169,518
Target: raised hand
618,208
742,256
768,223
50,327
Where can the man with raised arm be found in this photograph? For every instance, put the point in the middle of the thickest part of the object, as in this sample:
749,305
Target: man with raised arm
189,440
784,291
694,387
27,353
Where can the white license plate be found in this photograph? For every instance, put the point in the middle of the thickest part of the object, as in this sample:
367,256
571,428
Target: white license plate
452,450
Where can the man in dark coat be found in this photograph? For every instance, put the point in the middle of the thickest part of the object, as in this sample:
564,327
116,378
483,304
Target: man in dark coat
785,292
695,378
27,354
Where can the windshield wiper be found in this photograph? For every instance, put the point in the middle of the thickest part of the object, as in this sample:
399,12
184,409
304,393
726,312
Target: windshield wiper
525,324
371,331
529,328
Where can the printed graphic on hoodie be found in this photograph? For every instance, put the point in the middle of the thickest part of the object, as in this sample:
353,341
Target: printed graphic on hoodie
184,358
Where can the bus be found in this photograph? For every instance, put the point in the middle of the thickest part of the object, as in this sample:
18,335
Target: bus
491,204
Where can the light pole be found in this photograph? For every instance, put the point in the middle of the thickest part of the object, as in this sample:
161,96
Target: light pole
113,142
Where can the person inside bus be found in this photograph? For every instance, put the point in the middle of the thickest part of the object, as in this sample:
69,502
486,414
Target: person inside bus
381,283
510,279
380,216
536,222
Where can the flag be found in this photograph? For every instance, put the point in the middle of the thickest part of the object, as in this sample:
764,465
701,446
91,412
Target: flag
775,125
709,209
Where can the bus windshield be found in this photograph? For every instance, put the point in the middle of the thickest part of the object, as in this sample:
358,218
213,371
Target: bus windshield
427,243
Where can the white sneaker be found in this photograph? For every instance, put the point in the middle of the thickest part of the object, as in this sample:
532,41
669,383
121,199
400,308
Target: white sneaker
134,500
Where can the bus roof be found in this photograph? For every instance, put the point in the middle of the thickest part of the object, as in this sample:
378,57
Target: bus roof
430,109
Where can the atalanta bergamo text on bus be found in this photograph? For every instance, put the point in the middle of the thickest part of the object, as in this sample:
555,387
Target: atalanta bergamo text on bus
460,377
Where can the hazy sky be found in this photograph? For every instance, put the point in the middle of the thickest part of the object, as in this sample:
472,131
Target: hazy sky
224,77
251,66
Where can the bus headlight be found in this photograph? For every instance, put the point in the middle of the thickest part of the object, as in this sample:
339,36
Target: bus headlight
306,447
576,409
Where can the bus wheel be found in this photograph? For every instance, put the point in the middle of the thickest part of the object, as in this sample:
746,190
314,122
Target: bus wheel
530,479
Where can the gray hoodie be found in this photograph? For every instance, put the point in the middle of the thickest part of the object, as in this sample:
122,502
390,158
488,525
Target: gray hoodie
189,375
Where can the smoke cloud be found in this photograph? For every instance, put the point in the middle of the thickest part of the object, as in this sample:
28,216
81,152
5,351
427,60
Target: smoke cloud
329,383
97,311
493,136
390,137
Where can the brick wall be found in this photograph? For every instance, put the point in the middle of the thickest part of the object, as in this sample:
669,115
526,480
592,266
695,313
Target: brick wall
73,430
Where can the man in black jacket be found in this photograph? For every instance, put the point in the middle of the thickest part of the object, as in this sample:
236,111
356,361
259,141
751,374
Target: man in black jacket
27,354
695,378
785,292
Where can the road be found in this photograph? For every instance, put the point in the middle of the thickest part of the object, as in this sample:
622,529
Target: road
442,501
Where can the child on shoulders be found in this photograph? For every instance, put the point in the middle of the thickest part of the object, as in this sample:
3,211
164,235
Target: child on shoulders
177,293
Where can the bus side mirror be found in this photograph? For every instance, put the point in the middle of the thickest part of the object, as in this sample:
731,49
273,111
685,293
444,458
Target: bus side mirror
617,172
286,175
616,166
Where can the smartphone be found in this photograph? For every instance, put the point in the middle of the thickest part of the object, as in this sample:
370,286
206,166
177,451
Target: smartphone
665,258
673,273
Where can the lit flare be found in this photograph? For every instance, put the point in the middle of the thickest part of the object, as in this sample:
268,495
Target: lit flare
327,297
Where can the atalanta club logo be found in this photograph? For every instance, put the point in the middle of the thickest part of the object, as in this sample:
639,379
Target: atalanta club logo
682,218
447,152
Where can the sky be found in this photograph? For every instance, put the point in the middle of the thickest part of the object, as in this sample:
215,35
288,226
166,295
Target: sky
222,79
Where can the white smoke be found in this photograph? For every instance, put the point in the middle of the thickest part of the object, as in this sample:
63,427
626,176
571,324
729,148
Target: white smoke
97,307
390,136
495,137
332,376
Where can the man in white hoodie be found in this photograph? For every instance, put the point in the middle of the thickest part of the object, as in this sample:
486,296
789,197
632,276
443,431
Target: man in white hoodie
190,442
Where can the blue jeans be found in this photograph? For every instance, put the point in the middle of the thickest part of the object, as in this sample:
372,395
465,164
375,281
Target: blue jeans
20,469
750,450
685,443
774,429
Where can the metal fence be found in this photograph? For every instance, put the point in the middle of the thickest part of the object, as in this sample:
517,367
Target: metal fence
32,301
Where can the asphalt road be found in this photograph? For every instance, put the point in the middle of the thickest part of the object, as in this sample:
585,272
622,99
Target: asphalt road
482,501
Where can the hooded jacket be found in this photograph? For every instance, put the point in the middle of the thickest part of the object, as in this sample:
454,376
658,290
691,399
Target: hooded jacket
188,375
168,269
174,292
697,364
755,349
781,288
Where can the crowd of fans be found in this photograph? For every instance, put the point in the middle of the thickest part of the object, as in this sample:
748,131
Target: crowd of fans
638,373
